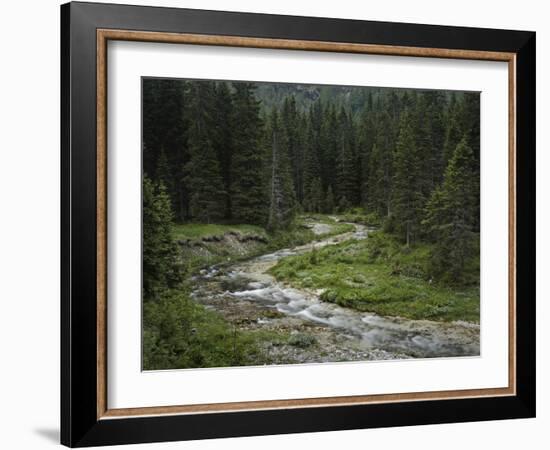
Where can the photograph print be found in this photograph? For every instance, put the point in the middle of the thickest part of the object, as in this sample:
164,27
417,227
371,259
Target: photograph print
297,224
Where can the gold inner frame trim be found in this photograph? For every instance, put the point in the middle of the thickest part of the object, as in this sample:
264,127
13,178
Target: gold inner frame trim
103,36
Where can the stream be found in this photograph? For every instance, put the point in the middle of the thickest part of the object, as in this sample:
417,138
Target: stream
250,298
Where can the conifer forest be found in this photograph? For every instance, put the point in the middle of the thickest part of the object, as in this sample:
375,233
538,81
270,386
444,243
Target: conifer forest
294,223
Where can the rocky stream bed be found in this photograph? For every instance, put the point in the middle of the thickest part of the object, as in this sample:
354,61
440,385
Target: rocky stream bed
313,331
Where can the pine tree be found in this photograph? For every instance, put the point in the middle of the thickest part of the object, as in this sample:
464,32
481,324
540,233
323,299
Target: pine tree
470,115
435,114
282,200
202,172
408,197
248,197
329,202
365,144
163,172
315,196
381,167
329,148
222,135
160,268
343,204
290,142
165,126
424,144
453,136
312,166
451,214
347,173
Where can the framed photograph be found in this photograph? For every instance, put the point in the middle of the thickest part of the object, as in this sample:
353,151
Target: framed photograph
276,224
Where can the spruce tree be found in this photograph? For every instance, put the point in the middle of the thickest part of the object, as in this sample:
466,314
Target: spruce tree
315,196
451,214
222,135
424,144
453,136
203,177
408,196
248,199
435,114
290,141
329,202
160,267
165,127
347,168
282,198
365,144
164,173
312,166
471,126
381,167
330,146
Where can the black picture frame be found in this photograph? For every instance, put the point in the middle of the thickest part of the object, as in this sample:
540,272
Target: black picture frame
80,425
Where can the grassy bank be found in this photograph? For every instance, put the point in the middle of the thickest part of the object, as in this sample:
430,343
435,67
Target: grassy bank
203,245
358,215
179,333
336,224
194,231
378,275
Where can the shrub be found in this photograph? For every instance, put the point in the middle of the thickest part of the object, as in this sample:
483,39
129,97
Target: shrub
302,340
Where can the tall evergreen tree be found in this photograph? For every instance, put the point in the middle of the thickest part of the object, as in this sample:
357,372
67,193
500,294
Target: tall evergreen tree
329,148
347,169
312,166
408,196
470,115
329,202
160,268
222,135
315,196
381,166
424,144
290,141
453,136
165,129
202,172
282,200
451,214
365,144
247,182
435,114
163,173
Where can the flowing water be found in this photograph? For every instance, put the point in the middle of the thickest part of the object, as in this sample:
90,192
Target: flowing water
245,294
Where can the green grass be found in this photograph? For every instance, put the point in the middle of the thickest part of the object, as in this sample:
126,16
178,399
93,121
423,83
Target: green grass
380,276
336,227
180,334
195,231
201,250
358,215
213,251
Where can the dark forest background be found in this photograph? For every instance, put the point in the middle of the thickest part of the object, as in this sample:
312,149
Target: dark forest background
259,153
